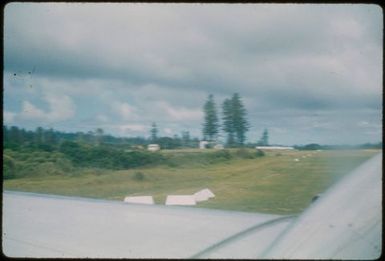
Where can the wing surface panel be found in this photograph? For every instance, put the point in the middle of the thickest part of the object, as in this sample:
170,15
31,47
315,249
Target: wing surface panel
39,226
345,223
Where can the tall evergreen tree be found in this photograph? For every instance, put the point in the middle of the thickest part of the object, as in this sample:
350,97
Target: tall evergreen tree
241,125
264,140
211,122
154,132
227,121
265,137
235,123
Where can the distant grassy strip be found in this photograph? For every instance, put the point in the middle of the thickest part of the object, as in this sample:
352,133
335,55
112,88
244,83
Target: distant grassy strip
271,184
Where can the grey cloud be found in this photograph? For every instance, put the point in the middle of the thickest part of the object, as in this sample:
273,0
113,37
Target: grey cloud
278,57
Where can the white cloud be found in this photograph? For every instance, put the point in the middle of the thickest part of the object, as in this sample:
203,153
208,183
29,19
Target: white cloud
124,110
31,112
60,108
167,131
9,117
146,63
102,118
180,113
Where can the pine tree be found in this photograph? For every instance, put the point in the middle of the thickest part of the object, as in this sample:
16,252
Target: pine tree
154,132
265,138
228,125
241,125
211,123
235,123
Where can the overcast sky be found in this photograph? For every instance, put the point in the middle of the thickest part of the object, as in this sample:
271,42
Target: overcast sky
307,73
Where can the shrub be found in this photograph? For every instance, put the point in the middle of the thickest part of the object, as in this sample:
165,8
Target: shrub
47,168
9,167
172,164
244,154
225,154
64,164
259,153
139,176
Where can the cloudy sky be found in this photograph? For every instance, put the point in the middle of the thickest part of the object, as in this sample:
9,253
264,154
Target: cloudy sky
307,73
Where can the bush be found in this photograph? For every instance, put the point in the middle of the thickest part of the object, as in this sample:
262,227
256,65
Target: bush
47,168
106,157
259,153
221,154
172,164
244,154
139,176
65,165
9,167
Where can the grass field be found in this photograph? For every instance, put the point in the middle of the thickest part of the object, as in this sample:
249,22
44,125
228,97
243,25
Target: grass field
275,183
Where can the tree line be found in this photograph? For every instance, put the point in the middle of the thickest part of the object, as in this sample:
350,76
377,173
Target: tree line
50,139
234,125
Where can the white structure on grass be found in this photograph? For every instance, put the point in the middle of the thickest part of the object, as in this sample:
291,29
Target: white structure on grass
274,148
140,200
153,147
181,200
203,144
219,146
203,195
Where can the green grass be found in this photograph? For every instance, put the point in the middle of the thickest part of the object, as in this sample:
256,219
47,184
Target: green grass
274,183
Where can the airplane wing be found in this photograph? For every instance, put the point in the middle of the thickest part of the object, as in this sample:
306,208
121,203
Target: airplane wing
36,225
344,223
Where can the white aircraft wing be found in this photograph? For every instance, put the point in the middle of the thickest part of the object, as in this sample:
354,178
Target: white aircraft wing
36,225
344,223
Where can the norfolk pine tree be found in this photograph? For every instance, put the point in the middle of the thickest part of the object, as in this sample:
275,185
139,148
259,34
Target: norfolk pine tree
211,123
154,132
235,123
227,120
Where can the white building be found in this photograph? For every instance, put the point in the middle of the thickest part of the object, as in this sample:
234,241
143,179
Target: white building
219,146
274,148
203,144
153,147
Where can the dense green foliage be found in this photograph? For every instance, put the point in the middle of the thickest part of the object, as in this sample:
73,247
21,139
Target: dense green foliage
28,162
48,152
83,155
50,140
